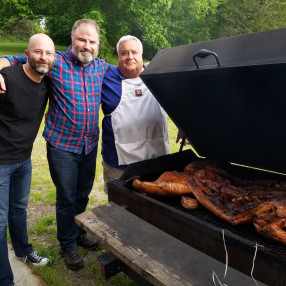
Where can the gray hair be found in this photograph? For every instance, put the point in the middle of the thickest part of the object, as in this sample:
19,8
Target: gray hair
85,21
127,38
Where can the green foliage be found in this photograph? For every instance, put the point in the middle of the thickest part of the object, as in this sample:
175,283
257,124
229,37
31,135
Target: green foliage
147,22
158,23
15,23
144,20
106,49
13,9
246,16
20,29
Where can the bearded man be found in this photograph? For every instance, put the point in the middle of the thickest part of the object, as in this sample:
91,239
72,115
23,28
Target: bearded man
72,133
22,105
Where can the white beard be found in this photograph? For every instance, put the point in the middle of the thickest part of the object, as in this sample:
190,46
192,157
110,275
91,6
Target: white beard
85,59
42,70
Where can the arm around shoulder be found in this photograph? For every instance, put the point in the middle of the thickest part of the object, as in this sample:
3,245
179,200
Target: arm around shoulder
4,63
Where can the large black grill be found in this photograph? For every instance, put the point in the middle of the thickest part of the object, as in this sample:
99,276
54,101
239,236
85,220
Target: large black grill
231,113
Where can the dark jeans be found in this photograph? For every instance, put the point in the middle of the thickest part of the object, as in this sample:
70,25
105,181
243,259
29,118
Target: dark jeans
15,183
73,175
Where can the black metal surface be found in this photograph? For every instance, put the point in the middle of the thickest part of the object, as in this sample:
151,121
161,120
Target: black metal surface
244,231
201,229
232,113
110,265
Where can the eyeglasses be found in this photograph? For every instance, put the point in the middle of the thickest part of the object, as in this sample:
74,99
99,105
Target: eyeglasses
48,54
126,53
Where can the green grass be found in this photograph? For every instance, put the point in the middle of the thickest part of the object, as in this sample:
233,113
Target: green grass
17,48
12,48
41,211
44,223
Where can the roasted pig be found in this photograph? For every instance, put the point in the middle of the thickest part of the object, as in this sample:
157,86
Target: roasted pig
231,198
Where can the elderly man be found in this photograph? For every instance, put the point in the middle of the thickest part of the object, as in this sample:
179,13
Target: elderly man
134,127
22,105
72,132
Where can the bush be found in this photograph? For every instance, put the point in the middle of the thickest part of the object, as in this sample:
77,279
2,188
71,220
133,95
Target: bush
20,29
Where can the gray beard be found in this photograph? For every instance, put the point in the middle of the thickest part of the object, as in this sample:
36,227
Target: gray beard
41,70
83,59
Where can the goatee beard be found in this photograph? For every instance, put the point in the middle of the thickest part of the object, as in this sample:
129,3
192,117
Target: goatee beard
41,70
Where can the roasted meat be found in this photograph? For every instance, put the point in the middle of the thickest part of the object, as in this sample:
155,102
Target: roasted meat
233,199
168,184
227,196
189,203
270,220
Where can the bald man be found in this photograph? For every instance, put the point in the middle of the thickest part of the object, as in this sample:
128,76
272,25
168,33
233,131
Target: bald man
22,105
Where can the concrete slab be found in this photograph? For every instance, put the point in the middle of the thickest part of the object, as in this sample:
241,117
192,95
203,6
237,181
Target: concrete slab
23,274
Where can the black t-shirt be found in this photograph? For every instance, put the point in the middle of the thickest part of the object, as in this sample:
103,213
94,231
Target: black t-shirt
21,111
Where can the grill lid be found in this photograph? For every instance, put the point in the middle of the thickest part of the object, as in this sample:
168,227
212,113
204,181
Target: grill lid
232,108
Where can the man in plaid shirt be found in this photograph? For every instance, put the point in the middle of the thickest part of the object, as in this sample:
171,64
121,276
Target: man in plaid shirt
72,133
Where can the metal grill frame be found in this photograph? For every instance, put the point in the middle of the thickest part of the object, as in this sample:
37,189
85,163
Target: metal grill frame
201,229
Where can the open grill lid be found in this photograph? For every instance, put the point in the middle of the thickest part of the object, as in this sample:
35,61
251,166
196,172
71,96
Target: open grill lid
229,100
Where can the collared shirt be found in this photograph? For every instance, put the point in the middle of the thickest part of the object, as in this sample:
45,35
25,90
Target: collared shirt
72,123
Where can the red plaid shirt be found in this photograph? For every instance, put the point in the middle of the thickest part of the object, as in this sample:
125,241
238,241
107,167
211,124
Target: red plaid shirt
72,122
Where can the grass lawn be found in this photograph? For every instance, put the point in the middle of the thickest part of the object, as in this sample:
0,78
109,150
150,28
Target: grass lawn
41,212
19,47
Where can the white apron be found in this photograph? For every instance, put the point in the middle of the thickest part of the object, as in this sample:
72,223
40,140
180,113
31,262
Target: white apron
139,124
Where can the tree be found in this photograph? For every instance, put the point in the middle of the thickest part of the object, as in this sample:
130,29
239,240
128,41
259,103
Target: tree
158,23
246,16
144,20
60,15
12,11
207,9
190,21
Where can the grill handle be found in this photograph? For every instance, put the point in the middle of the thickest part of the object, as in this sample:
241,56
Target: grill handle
203,53
182,143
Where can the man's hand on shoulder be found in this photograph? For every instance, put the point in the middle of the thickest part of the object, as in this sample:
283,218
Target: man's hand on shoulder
2,84
3,64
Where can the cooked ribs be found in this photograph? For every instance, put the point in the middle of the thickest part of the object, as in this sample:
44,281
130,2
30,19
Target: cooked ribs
231,198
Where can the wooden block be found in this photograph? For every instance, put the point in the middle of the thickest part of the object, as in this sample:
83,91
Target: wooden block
158,257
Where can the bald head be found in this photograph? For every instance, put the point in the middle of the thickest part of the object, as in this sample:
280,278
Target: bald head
38,41
41,54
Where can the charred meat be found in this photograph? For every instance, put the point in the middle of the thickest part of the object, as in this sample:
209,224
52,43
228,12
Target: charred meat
232,199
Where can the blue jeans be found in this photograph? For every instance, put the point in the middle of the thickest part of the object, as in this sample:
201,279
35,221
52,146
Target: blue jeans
15,183
73,175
